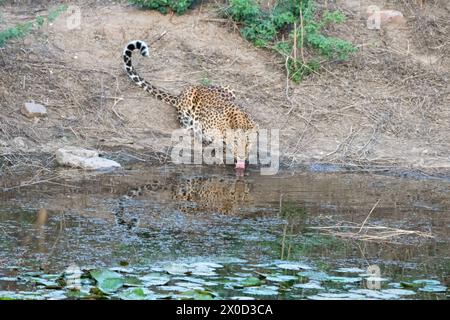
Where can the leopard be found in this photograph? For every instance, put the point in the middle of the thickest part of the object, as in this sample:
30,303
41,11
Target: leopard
209,113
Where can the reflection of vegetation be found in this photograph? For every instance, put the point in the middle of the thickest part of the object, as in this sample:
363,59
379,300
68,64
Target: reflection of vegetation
295,243
292,210
313,244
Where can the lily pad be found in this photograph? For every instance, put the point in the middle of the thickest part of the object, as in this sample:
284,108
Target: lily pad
55,295
198,295
433,288
134,294
349,270
337,296
314,275
262,291
173,288
375,294
400,292
251,282
293,266
428,282
9,279
203,271
122,270
44,282
107,281
177,269
154,279
344,279
310,285
212,265
405,284
130,281
281,278
190,285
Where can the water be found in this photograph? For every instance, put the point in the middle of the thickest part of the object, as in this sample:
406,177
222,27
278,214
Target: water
203,233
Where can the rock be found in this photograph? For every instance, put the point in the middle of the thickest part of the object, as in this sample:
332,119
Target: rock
84,159
378,18
19,143
32,110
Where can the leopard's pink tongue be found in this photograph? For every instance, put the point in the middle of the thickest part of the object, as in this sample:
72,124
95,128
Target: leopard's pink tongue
240,165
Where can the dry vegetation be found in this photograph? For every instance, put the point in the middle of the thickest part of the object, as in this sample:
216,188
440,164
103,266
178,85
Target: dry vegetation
387,106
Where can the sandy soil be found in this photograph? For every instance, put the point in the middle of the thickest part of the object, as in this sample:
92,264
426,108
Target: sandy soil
388,105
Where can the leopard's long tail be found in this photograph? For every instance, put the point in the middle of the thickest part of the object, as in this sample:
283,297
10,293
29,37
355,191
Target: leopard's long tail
131,71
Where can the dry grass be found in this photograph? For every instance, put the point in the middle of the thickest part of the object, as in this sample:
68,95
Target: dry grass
370,232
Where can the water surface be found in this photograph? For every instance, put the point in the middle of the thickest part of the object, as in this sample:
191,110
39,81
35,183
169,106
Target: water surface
206,234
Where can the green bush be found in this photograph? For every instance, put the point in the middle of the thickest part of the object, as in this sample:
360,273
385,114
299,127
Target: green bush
267,28
20,30
164,6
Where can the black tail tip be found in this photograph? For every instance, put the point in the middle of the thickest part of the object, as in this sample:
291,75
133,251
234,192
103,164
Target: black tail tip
139,45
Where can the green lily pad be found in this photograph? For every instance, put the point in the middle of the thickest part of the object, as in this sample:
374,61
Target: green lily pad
212,265
77,294
281,278
107,281
309,285
337,296
314,275
54,276
251,282
427,282
131,281
134,294
293,266
349,270
203,271
44,282
375,294
433,288
198,281
173,288
400,292
344,279
262,291
405,284
9,279
242,298
198,295
177,269
190,285
122,270
55,295
154,279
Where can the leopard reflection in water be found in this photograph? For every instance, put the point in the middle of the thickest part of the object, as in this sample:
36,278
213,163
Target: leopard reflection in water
195,194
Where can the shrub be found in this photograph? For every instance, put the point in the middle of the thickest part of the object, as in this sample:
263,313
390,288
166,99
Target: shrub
20,30
268,28
164,6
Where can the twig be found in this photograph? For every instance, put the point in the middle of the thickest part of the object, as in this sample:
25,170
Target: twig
367,218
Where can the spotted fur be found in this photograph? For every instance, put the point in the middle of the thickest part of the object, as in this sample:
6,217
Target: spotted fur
209,111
